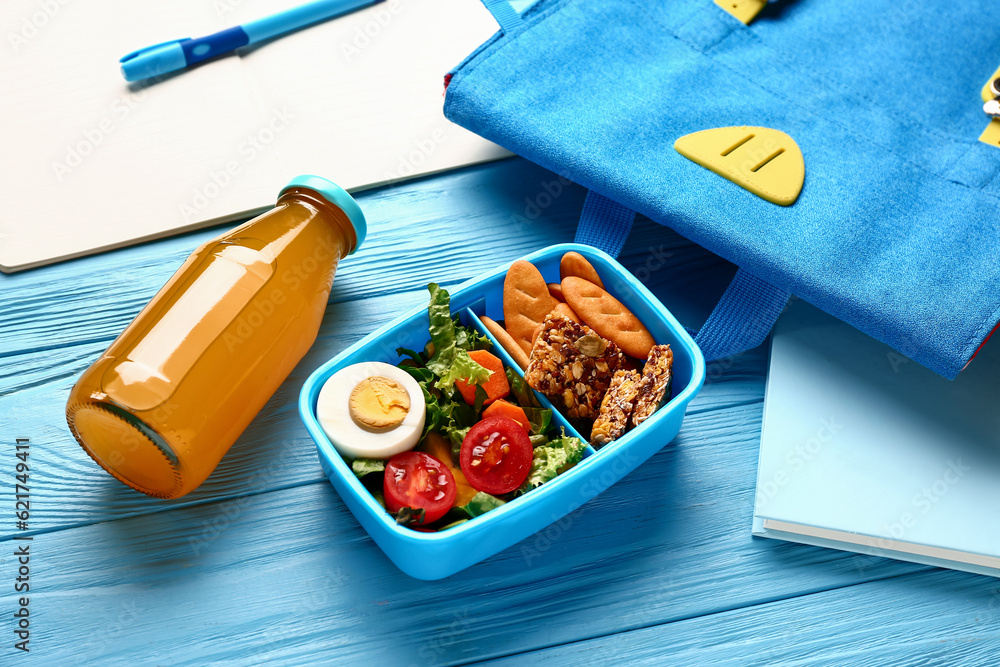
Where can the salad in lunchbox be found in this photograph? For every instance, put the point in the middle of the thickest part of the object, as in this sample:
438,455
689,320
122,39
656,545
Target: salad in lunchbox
453,432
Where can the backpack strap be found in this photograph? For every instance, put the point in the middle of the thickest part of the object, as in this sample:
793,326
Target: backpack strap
743,318
504,13
604,223
744,315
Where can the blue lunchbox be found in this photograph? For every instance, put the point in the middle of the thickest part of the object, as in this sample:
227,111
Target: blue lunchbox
438,555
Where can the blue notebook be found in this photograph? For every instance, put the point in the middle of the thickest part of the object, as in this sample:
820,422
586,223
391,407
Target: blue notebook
867,451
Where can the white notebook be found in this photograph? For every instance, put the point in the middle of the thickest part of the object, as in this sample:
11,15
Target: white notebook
865,450
90,162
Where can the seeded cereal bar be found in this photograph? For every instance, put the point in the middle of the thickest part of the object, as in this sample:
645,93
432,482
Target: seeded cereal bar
616,408
655,383
570,362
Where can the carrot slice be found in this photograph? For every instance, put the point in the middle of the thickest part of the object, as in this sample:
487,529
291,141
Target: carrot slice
502,408
496,387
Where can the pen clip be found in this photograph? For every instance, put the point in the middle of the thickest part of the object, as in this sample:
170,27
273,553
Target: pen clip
139,52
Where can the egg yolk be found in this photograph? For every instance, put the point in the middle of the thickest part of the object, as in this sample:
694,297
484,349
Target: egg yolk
379,403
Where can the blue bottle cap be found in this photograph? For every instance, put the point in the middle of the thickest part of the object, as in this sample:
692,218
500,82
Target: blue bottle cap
337,196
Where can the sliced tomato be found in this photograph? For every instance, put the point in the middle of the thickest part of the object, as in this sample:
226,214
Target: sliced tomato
419,481
496,455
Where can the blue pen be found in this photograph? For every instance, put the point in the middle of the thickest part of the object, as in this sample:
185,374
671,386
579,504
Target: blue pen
180,53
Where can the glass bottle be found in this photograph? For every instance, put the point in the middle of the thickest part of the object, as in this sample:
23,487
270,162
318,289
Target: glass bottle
172,393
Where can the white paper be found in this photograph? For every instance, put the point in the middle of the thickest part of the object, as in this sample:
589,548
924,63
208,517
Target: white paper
90,162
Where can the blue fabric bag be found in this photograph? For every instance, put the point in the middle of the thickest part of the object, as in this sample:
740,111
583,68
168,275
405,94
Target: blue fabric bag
896,228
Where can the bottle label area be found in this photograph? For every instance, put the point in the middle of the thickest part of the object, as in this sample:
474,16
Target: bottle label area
219,287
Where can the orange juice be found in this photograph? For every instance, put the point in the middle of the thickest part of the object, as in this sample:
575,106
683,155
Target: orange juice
173,392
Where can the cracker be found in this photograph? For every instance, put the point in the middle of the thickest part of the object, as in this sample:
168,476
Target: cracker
607,316
616,408
572,365
526,302
506,342
654,388
555,289
575,264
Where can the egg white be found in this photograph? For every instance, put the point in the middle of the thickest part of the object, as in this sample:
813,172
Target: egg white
350,439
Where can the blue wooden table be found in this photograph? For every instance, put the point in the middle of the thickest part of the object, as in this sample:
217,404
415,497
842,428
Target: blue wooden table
264,563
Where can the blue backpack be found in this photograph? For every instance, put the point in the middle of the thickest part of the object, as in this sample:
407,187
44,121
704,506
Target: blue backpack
895,230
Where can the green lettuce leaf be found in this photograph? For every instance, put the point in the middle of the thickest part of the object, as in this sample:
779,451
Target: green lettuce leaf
452,419
456,435
539,440
540,418
362,467
481,503
449,361
522,392
415,357
469,339
552,459
421,375
481,397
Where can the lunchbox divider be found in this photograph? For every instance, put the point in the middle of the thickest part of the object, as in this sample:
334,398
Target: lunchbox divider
468,317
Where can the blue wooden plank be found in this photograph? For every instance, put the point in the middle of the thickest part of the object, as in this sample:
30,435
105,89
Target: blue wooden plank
458,222
669,542
267,544
449,228
277,435
276,442
68,329
33,369
927,618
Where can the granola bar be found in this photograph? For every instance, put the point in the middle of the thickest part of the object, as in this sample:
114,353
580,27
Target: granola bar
654,388
616,408
570,362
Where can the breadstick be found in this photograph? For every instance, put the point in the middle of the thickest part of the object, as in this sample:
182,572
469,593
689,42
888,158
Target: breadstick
506,342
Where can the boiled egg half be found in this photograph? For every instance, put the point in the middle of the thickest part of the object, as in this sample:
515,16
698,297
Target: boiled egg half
371,410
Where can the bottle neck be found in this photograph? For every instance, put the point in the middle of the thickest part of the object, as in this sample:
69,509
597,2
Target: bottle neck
332,213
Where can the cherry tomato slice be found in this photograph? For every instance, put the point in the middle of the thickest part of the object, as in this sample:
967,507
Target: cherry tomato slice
496,455
419,481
